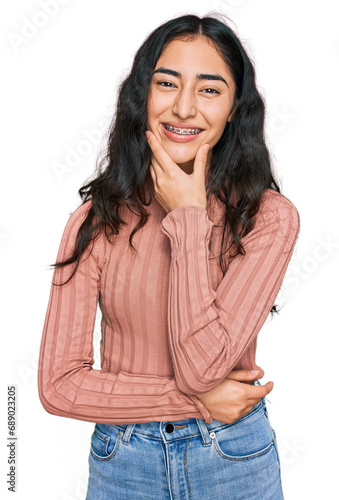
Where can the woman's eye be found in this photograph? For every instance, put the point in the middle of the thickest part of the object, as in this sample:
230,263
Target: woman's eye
166,84
210,91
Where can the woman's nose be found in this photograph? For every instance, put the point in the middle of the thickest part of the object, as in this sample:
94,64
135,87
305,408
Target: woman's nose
185,104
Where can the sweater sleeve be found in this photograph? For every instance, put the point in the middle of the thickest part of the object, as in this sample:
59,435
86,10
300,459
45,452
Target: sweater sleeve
210,329
68,384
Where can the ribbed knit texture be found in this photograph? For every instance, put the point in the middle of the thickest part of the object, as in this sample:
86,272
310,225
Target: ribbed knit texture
172,326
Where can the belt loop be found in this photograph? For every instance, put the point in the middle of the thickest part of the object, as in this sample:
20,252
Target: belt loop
204,432
128,433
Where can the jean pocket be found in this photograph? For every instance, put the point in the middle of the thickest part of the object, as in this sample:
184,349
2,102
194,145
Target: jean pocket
105,441
246,438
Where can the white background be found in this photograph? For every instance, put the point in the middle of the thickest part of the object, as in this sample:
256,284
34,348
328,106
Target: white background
60,72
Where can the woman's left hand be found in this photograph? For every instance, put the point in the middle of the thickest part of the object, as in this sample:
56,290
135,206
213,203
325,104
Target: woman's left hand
235,396
172,186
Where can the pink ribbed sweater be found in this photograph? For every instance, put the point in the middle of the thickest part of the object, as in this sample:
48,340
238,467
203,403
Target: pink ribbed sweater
172,326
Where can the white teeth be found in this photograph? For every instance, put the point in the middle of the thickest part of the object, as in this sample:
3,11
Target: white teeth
183,131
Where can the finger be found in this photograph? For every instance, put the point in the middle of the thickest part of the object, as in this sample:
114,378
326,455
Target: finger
243,375
200,161
164,160
153,175
249,408
269,386
156,166
158,171
260,391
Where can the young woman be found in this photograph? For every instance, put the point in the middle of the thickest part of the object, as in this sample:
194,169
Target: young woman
184,286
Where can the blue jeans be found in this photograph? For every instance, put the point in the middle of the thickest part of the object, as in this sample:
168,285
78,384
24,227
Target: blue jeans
186,459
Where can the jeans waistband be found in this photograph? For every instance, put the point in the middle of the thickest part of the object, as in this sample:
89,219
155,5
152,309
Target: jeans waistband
178,429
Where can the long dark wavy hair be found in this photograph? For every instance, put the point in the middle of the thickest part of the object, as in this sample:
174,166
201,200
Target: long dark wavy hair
240,170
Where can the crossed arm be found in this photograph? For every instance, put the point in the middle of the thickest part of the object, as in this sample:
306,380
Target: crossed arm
70,387
207,338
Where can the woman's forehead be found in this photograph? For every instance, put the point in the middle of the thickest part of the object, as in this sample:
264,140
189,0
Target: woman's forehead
191,56
195,44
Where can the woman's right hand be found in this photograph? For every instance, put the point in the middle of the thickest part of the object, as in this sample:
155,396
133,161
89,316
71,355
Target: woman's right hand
234,396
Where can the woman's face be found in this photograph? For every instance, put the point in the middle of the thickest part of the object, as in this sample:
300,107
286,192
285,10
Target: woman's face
190,99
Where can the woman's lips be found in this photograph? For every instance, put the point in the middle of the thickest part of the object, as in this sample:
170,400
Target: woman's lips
180,138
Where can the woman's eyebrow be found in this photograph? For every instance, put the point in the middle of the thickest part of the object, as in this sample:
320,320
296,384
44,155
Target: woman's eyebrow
201,76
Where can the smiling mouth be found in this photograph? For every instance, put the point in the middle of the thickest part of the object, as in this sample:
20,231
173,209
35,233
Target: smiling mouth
182,131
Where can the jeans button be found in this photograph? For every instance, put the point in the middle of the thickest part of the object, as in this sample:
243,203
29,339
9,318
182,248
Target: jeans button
169,428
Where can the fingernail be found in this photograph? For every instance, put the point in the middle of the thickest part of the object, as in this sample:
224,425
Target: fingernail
148,134
206,148
254,372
